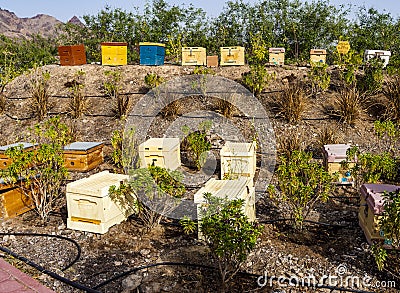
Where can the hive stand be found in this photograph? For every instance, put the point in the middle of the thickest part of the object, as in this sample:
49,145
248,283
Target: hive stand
334,155
371,209
238,159
90,207
241,188
13,201
5,161
196,56
160,152
83,156
232,56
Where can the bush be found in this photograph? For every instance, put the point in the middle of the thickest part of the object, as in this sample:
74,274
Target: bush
152,80
229,234
391,90
124,155
78,104
319,76
257,79
388,134
372,80
292,103
39,87
122,104
42,168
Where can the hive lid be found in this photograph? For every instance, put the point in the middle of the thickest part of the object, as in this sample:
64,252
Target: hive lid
151,44
159,144
25,145
238,148
114,44
96,185
373,194
232,48
378,52
192,48
336,152
318,52
276,50
81,146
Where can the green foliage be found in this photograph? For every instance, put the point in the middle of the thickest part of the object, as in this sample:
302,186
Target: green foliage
390,221
380,255
258,50
188,225
257,79
203,70
152,80
302,184
372,81
168,181
388,133
125,198
43,167
319,76
348,65
124,154
78,104
197,143
229,234
40,93
113,86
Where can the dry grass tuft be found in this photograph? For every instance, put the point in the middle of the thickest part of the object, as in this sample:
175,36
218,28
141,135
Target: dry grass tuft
391,91
292,102
172,110
349,106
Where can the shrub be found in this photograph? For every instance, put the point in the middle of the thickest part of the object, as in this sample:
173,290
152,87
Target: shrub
42,168
152,80
391,90
292,102
124,154
388,134
302,184
348,106
188,225
113,86
39,87
257,79
319,76
202,70
78,104
348,65
372,80
229,234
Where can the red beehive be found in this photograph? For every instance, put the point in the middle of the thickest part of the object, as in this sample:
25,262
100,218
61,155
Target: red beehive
72,55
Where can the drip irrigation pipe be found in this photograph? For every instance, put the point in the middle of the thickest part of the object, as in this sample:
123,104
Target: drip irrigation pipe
306,221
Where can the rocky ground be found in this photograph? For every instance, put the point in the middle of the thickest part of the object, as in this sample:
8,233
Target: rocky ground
318,250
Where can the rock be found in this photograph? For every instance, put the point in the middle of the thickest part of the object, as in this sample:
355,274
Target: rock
130,283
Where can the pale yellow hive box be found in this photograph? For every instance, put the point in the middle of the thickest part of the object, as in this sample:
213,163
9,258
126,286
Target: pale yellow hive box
318,56
160,152
241,188
334,155
232,56
276,56
194,56
89,205
238,159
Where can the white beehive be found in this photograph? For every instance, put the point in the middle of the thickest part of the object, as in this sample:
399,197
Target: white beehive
161,152
238,159
242,188
384,55
334,155
90,207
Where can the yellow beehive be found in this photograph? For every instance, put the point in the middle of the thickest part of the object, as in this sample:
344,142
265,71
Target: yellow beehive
334,155
114,53
318,56
276,56
242,188
238,159
161,152
194,56
232,56
90,207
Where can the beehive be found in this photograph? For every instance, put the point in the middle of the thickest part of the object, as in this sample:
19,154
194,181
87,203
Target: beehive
161,152
318,55
194,56
5,161
334,155
152,53
89,205
232,56
72,55
212,61
241,188
383,55
238,159
371,208
13,201
114,53
83,156
276,56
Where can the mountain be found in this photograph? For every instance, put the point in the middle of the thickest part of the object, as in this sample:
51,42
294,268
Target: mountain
15,27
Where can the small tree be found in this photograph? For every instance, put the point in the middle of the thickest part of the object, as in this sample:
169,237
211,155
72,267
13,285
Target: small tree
113,86
229,234
319,76
302,184
42,169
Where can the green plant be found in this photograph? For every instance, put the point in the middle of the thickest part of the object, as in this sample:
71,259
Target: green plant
188,225
113,86
229,234
7,73
40,91
302,184
292,102
197,143
174,48
202,70
124,197
319,76
78,104
380,255
391,91
348,106
348,65
42,168
388,134
124,154
372,81
390,221
257,78
153,80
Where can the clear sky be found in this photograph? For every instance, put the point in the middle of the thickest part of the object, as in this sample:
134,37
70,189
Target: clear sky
64,10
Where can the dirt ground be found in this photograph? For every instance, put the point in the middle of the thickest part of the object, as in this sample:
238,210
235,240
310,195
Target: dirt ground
281,251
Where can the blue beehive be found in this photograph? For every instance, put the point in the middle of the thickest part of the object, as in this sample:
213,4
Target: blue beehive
152,53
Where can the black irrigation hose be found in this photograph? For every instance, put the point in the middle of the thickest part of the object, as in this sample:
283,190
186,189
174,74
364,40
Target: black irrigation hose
306,221
49,273
78,254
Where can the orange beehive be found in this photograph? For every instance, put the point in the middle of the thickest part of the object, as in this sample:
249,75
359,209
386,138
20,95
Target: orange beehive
13,201
5,161
212,61
72,55
83,156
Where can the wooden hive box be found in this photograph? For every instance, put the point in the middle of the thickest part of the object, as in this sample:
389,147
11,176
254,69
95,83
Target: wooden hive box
238,159
161,152
114,53
83,156
13,201
194,56
212,61
72,55
152,53
276,56
382,54
232,56
334,154
241,188
371,209
89,205
318,56
5,161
